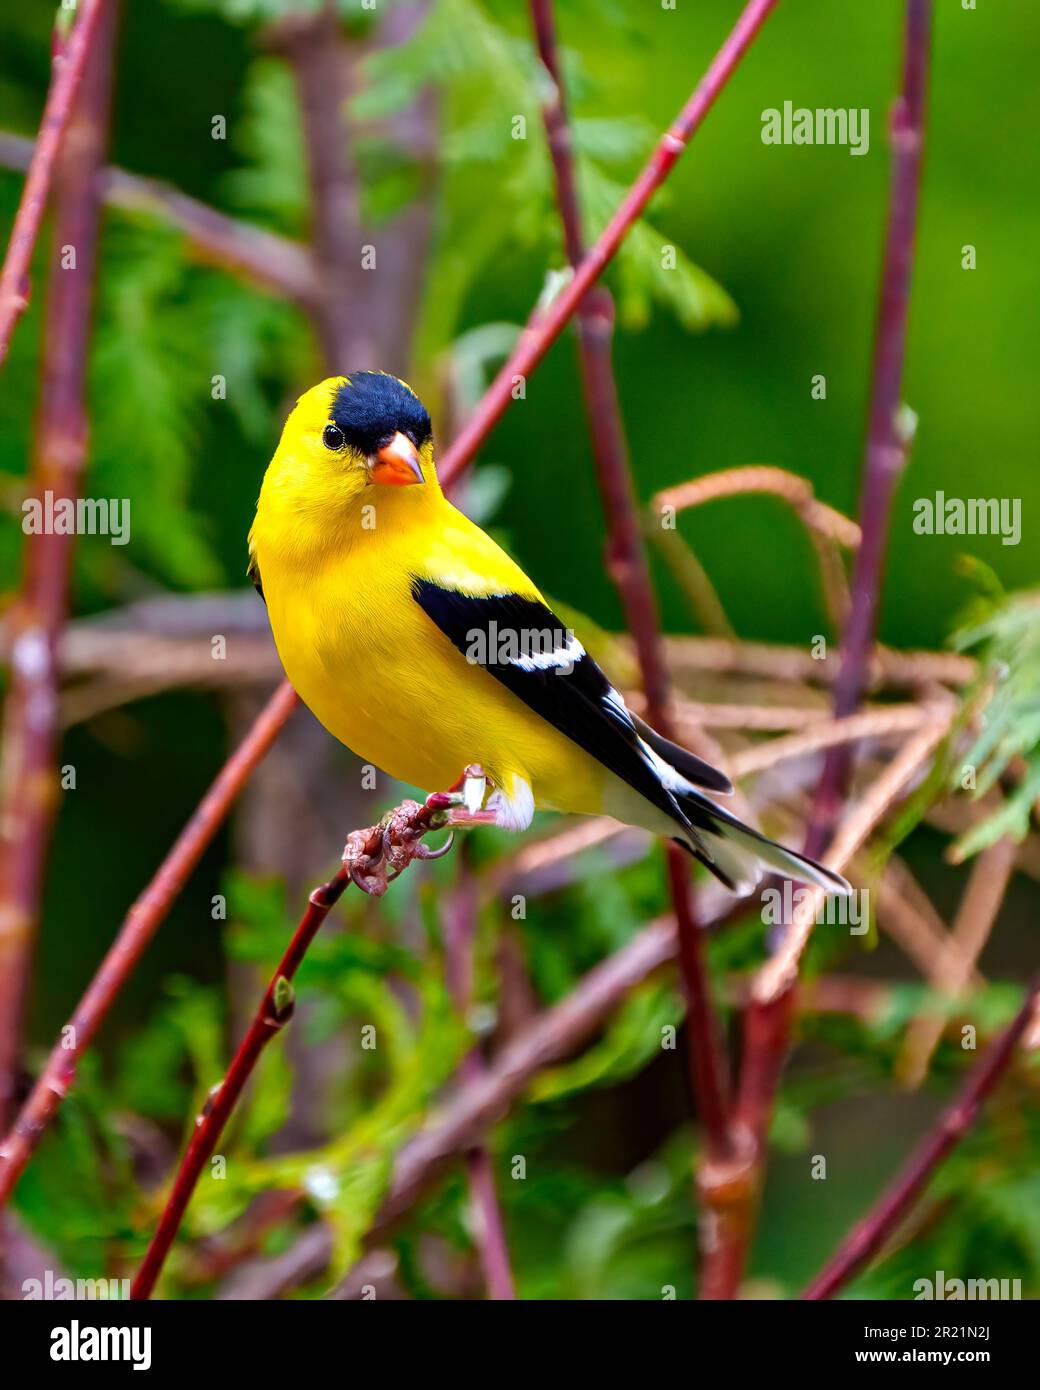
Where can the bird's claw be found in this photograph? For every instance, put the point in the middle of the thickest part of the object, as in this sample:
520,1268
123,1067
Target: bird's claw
375,857
363,859
424,852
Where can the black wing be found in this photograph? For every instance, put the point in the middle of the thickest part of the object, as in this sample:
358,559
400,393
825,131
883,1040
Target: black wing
523,644
694,769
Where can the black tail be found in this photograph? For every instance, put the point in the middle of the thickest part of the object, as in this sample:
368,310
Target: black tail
736,854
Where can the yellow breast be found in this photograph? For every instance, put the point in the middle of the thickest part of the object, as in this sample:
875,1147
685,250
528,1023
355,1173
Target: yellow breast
384,680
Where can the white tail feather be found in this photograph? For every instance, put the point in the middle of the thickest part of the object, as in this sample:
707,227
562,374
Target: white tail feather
741,854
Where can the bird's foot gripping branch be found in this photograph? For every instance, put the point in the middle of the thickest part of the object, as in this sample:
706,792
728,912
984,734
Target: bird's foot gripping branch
372,859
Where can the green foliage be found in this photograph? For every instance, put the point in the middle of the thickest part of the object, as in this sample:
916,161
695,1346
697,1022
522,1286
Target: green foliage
622,1240
628,1244
571,932
643,277
151,393
88,1221
399,1055
1004,632
491,81
345,1179
632,1038
271,183
268,11
158,1077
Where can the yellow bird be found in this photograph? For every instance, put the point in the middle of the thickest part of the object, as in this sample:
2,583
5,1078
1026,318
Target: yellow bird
423,647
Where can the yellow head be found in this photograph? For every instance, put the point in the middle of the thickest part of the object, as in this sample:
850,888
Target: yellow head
349,441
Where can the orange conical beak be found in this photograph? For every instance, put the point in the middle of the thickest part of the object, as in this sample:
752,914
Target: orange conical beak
397,463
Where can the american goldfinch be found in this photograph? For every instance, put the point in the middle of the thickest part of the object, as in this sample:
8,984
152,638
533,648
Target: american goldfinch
423,647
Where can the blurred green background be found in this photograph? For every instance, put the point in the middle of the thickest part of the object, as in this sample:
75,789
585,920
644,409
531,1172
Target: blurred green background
793,237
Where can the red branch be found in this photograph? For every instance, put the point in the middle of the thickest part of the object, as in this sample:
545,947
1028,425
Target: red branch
543,329
69,67
887,437
29,790
139,926
627,565
867,1238
767,1026
368,860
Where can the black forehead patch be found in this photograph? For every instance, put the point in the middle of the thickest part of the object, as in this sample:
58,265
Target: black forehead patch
372,407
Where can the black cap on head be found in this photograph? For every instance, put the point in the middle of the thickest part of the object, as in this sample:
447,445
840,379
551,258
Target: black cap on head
372,407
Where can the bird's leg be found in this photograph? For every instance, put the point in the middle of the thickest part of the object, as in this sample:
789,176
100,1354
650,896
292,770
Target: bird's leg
375,857
462,803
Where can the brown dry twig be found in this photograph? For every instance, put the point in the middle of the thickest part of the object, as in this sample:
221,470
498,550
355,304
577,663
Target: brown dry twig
797,492
828,530
906,914
781,970
887,668
271,261
750,718
955,965
824,733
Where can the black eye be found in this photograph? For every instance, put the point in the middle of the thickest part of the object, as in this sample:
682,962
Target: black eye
332,437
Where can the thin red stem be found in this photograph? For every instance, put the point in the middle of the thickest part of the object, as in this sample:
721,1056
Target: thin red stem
69,67
139,926
628,567
865,1239
558,132
887,441
369,854
767,1026
29,791
543,328
267,1021
707,1062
